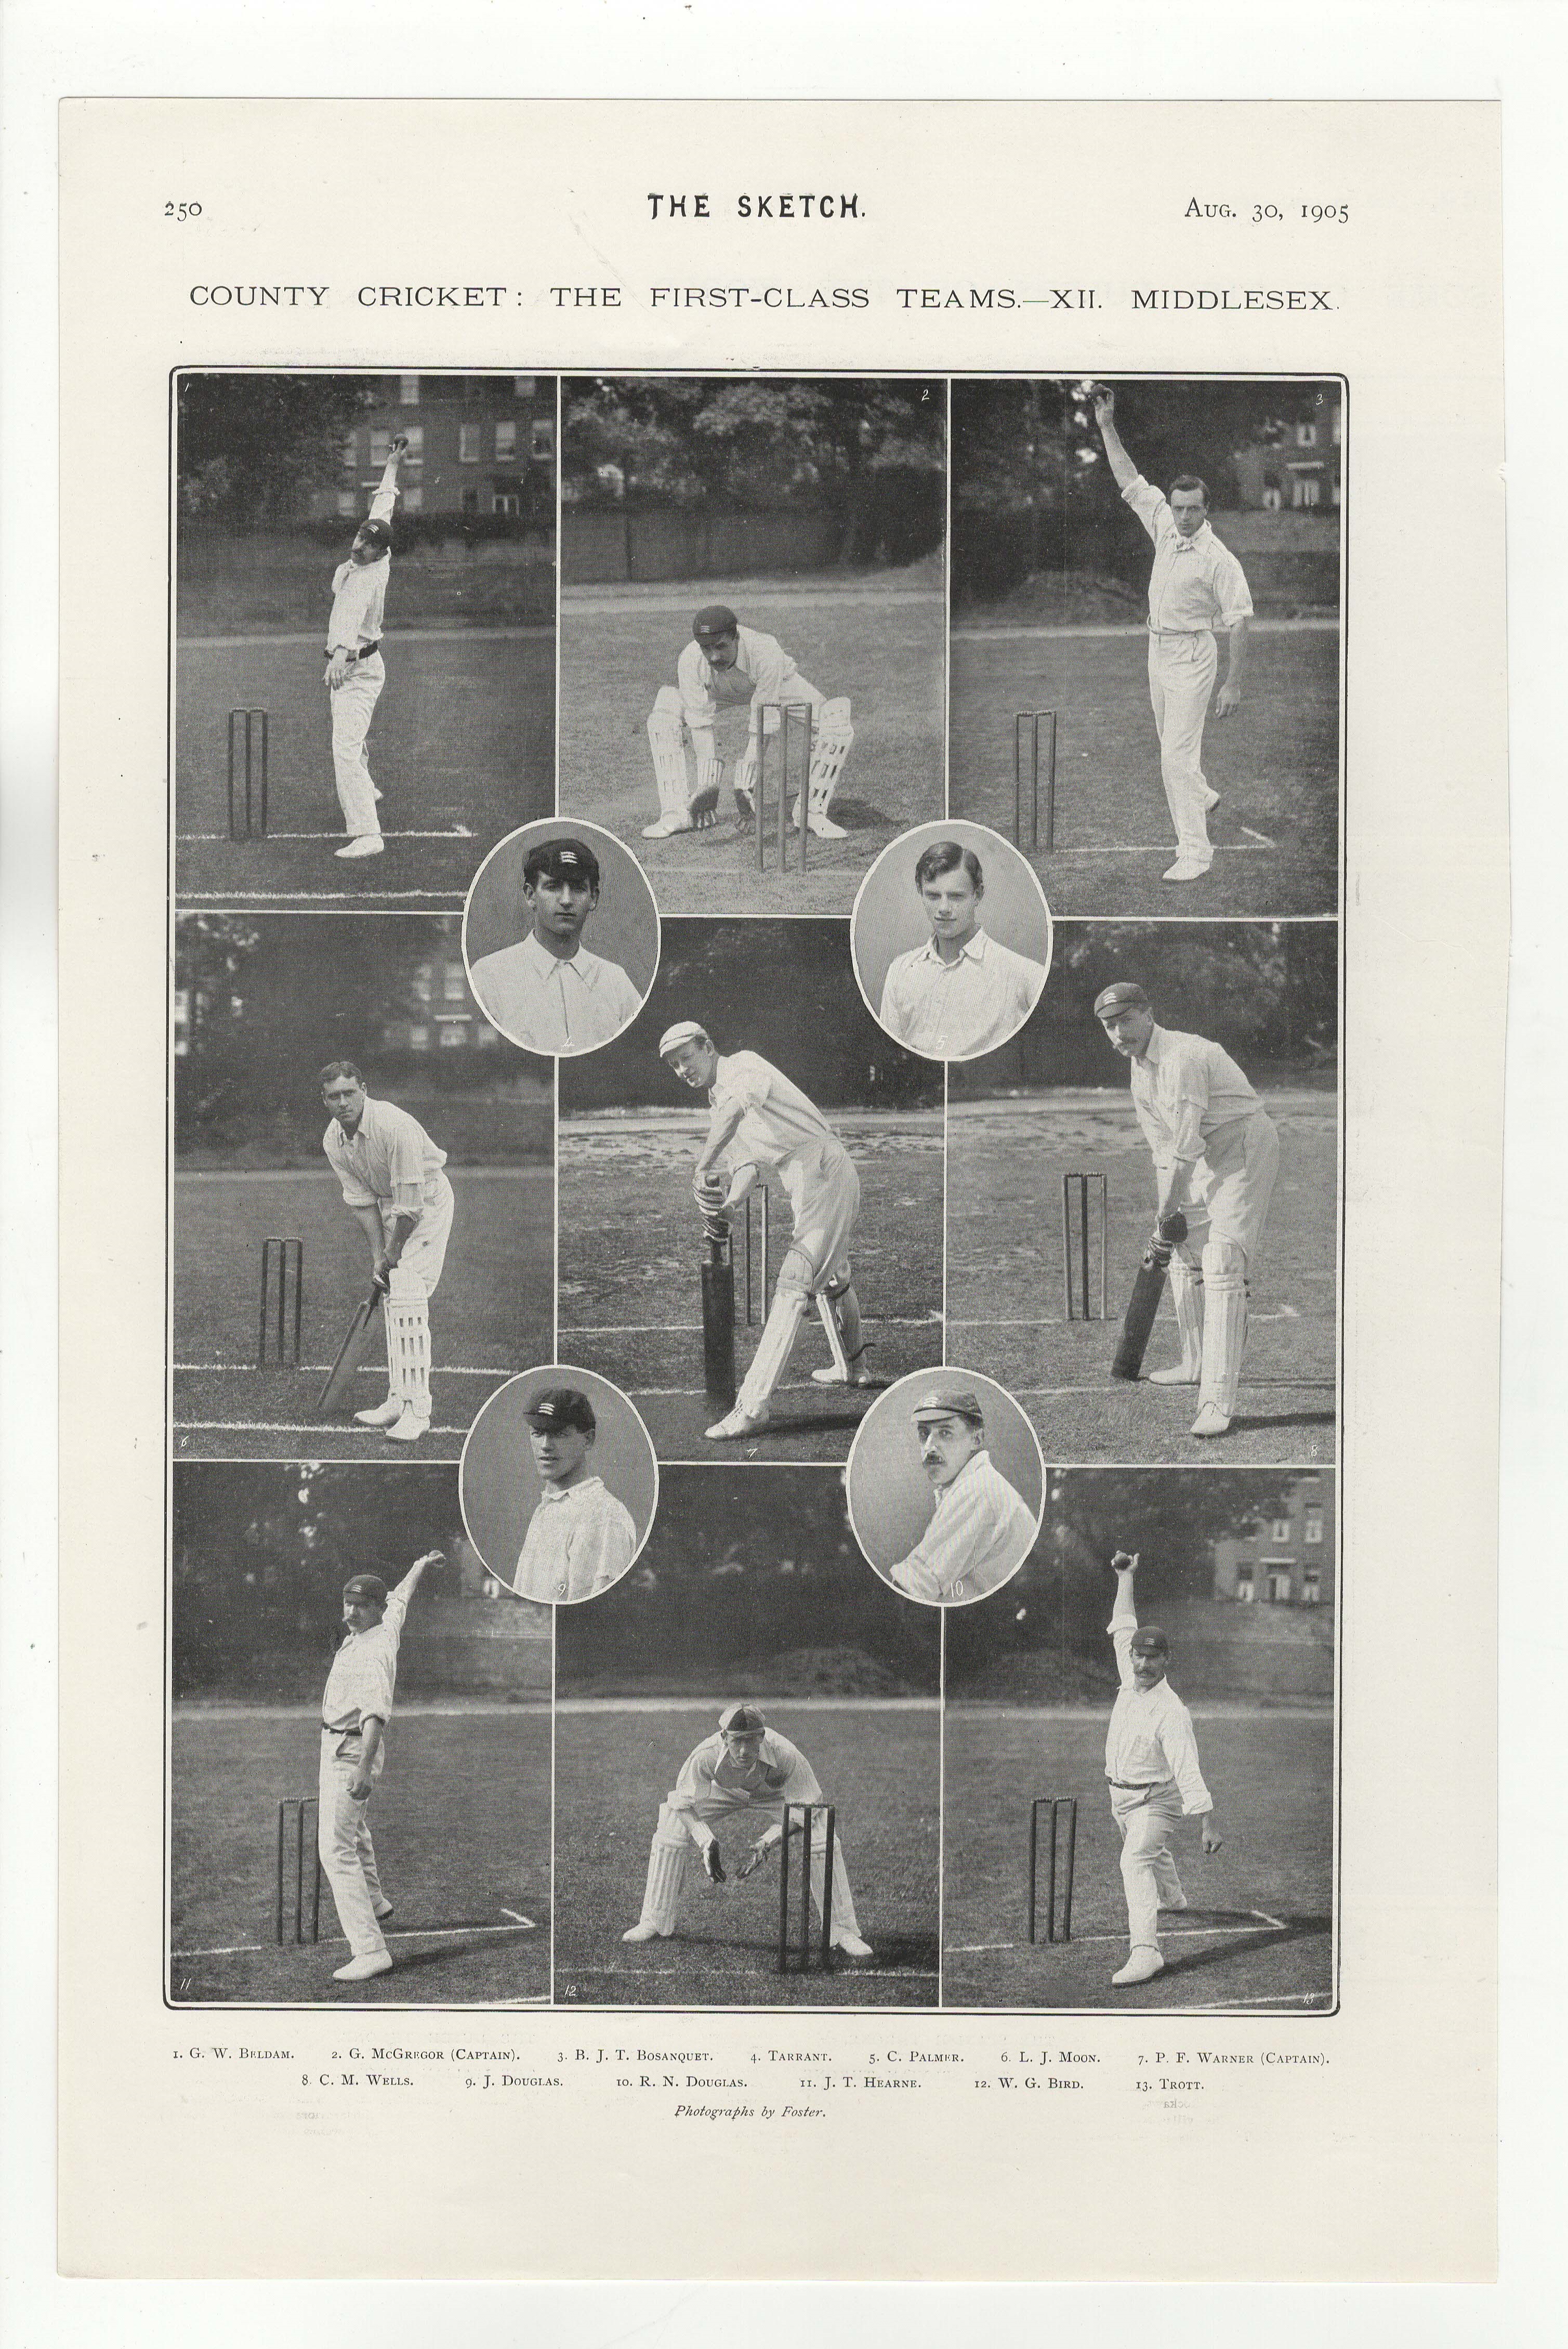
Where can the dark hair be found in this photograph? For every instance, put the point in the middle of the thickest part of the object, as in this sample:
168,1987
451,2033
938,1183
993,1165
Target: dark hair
943,857
340,1069
1190,481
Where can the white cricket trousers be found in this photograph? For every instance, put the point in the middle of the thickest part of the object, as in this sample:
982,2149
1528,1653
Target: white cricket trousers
1181,671
1148,1866
347,1854
353,705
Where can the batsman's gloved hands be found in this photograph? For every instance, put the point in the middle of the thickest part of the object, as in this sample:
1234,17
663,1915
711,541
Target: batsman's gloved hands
1171,1228
713,1862
710,1192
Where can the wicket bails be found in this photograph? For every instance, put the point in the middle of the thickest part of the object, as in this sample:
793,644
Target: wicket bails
1026,746
796,1956
1078,1191
297,1823
787,713
248,755
1061,1807
283,1302
757,1307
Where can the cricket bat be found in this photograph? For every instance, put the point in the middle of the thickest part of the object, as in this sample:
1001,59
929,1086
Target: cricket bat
1143,1306
350,1354
719,1323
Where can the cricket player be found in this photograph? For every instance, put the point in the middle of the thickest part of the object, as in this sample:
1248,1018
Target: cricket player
355,671
394,1185
746,1770
1195,587
1152,1764
981,1530
1216,1155
726,666
355,1707
547,992
962,992
579,1539
761,1124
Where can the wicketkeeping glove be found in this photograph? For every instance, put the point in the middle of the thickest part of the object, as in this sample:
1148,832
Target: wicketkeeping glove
713,1861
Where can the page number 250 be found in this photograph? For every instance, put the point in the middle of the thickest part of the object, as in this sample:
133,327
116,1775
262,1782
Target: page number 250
181,212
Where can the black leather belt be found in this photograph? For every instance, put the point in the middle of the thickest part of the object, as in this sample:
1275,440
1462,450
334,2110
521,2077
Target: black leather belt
363,654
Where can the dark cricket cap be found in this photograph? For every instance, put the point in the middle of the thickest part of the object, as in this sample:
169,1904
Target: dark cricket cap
365,1585
714,620
961,1403
1123,997
555,1407
563,860
380,532
746,1719
1150,1640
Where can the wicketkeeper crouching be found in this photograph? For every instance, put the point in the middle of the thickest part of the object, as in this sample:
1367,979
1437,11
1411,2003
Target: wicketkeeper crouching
745,1768
726,666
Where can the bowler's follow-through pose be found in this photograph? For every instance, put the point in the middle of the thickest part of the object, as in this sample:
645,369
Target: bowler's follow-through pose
1151,1766
749,1769
1196,586
762,1122
354,670
1216,1155
727,666
355,1707
394,1185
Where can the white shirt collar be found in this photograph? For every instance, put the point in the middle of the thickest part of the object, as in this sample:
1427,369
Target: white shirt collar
972,950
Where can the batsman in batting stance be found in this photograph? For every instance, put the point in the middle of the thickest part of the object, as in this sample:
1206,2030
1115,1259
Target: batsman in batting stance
395,1187
762,1123
1151,1766
726,666
355,672
748,1771
1216,1155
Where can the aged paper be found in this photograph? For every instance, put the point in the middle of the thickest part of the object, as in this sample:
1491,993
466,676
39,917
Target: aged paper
590,298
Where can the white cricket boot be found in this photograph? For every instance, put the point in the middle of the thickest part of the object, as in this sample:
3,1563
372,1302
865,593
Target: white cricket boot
1142,1966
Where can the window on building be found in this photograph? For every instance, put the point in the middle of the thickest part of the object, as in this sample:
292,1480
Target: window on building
1272,499
347,503
506,502
1309,491
523,385
468,444
415,437
542,439
412,500
380,446
1312,1530
1281,1532
418,1037
1279,1586
351,449
408,391
452,1034
456,987
1311,1588
471,501
1307,436
1244,1582
422,982
506,440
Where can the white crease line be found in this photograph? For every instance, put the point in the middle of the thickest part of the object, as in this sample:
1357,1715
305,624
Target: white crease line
1156,848
1167,1933
287,1427
368,1370
403,1933
1020,631
304,896
848,1972
458,831
690,1328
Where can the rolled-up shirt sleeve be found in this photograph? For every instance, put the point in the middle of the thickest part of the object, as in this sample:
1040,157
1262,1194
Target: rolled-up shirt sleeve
1231,590
408,1171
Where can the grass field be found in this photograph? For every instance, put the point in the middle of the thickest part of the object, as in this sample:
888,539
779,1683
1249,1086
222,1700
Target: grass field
1004,1298
1275,765
462,745
1257,1932
878,1766
630,1285
461,1824
882,646
490,1317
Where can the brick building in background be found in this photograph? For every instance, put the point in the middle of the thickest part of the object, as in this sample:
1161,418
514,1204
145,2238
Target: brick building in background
480,446
1287,1559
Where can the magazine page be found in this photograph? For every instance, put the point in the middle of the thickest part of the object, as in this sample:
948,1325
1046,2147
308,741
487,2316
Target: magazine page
778,875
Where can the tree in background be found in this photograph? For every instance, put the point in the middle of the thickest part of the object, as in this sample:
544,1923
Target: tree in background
251,448
1059,1600
872,454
